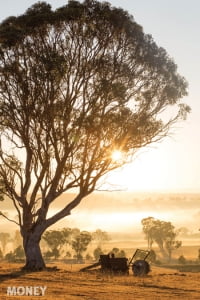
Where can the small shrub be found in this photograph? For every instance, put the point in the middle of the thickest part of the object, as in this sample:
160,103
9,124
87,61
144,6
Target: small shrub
68,254
10,257
97,252
15,256
48,255
88,256
118,253
19,253
182,260
1,254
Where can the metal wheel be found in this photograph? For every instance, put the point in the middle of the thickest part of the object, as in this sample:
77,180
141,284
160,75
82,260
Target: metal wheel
140,268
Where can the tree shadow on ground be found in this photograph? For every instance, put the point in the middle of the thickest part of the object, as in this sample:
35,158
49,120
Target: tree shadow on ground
21,272
12,275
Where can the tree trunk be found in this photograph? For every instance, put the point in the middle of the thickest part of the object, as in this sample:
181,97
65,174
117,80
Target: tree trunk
162,250
34,259
169,255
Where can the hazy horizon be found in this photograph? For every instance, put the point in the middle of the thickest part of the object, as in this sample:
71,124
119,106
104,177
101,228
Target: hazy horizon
123,211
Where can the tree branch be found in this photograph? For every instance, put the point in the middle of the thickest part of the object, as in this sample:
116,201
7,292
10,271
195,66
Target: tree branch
3,215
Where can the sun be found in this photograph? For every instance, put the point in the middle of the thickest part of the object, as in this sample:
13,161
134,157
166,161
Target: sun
116,155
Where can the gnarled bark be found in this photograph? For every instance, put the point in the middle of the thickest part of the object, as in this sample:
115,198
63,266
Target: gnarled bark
34,259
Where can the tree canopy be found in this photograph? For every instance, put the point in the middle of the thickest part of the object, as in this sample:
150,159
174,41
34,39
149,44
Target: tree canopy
80,243
163,233
76,84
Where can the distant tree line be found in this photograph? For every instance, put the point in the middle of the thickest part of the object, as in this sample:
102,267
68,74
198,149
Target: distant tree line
72,243
73,238
67,243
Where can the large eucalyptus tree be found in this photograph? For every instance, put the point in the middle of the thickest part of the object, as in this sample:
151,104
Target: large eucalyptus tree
75,85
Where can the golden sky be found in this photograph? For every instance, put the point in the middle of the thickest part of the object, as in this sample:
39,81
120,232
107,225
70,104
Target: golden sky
174,164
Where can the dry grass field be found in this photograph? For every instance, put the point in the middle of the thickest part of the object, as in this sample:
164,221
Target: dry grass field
70,284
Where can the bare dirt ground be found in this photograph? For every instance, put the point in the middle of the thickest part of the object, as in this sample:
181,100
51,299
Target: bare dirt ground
67,283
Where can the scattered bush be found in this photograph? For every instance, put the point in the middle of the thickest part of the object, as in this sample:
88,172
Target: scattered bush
118,253
19,253
48,255
68,254
182,260
88,256
10,257
54,253
1,254
16,255
97,252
